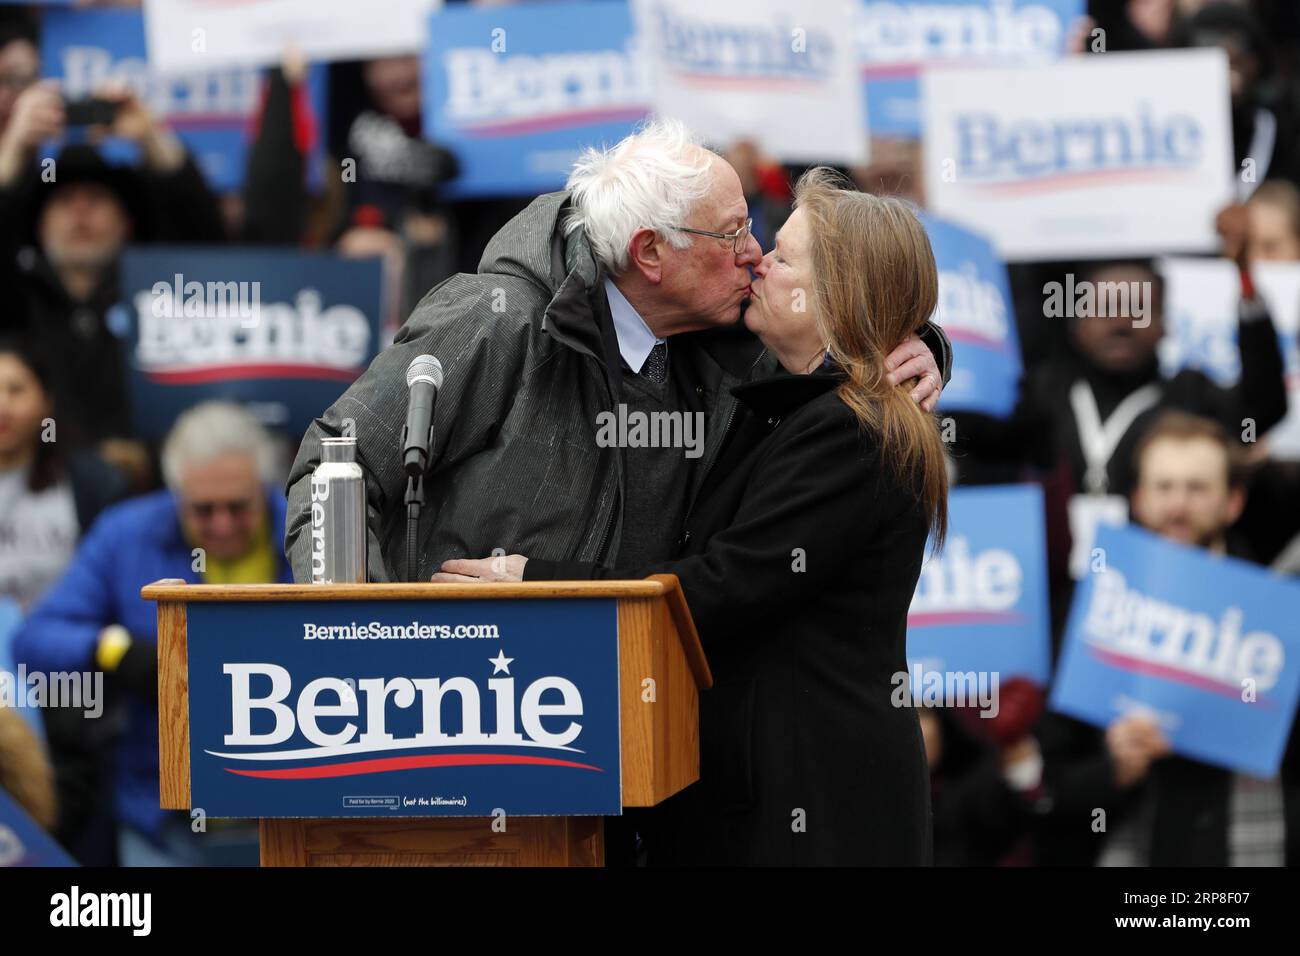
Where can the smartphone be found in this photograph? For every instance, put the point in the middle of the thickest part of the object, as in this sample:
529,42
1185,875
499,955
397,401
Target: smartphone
89,112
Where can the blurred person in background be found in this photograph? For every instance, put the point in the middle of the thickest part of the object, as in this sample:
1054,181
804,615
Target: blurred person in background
1266,228
1080,414
67,222
275,203
1265,127
20,60
48,498
986,778
1191,489
894,170
220,520
766,187
392,203
1273,223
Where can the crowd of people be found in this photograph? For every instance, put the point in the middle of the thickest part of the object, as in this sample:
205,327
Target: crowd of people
89,511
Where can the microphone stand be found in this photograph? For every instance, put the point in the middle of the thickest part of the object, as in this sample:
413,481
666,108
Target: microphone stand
414,505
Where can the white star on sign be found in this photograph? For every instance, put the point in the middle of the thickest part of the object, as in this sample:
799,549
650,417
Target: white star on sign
500,662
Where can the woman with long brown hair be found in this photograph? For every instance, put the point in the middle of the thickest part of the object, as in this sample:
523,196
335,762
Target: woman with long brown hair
800,556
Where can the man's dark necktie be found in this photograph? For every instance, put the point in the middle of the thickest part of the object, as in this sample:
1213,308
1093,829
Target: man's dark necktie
656,364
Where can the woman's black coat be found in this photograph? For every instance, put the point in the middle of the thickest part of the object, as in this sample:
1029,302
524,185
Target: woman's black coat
798,560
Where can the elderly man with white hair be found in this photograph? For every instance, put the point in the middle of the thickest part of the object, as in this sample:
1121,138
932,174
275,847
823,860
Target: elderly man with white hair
619,296
219,521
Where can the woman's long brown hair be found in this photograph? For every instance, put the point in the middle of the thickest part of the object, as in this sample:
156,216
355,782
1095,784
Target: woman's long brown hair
875,283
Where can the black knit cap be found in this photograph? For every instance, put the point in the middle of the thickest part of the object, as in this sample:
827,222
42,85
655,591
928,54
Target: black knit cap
79,163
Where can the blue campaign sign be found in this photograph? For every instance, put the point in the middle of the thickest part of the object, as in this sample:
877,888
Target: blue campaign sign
975,310
899,38
517,92
22,842
404,708
11,615
1207,646
981,605
282,330
211,112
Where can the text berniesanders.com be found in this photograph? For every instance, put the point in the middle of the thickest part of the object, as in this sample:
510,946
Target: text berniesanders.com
376,631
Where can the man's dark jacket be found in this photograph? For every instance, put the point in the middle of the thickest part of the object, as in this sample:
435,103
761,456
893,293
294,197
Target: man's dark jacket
530,360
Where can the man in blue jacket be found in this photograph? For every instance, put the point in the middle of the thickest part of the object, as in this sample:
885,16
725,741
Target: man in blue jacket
219,521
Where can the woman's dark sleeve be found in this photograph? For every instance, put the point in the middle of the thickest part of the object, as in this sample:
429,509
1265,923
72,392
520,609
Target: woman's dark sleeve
275,196
936,340
816,492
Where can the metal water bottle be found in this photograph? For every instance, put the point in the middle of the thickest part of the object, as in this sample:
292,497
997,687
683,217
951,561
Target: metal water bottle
338,515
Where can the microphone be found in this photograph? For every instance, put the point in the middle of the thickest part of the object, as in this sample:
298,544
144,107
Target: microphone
423,378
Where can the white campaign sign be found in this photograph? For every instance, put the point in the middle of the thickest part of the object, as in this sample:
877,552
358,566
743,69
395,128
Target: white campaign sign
1201,298
785,77
1093,156
197,35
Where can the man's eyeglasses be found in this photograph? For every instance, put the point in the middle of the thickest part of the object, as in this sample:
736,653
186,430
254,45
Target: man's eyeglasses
204,510
737,238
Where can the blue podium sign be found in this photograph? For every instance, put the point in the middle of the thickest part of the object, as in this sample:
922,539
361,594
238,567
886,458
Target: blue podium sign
404,708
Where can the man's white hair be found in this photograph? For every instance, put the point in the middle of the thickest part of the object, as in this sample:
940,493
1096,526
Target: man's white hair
210,429
651,179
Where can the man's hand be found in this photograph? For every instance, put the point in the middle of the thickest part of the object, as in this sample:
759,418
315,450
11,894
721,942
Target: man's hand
1133,743
37,116
507,567
1233,226
914,360
163,152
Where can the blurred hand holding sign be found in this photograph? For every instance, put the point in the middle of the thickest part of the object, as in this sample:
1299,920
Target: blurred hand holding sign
188,35
1206,646
283,331
1093,156
1201,297
210,108
784,77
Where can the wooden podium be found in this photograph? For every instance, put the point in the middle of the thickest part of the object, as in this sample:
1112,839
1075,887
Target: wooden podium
659,737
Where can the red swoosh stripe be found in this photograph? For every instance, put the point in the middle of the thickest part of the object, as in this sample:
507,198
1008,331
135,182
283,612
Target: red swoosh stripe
541,124
221,373
1082,179
389,764
937,618
1140,666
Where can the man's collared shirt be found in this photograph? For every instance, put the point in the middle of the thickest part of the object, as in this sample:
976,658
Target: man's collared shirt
635,340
